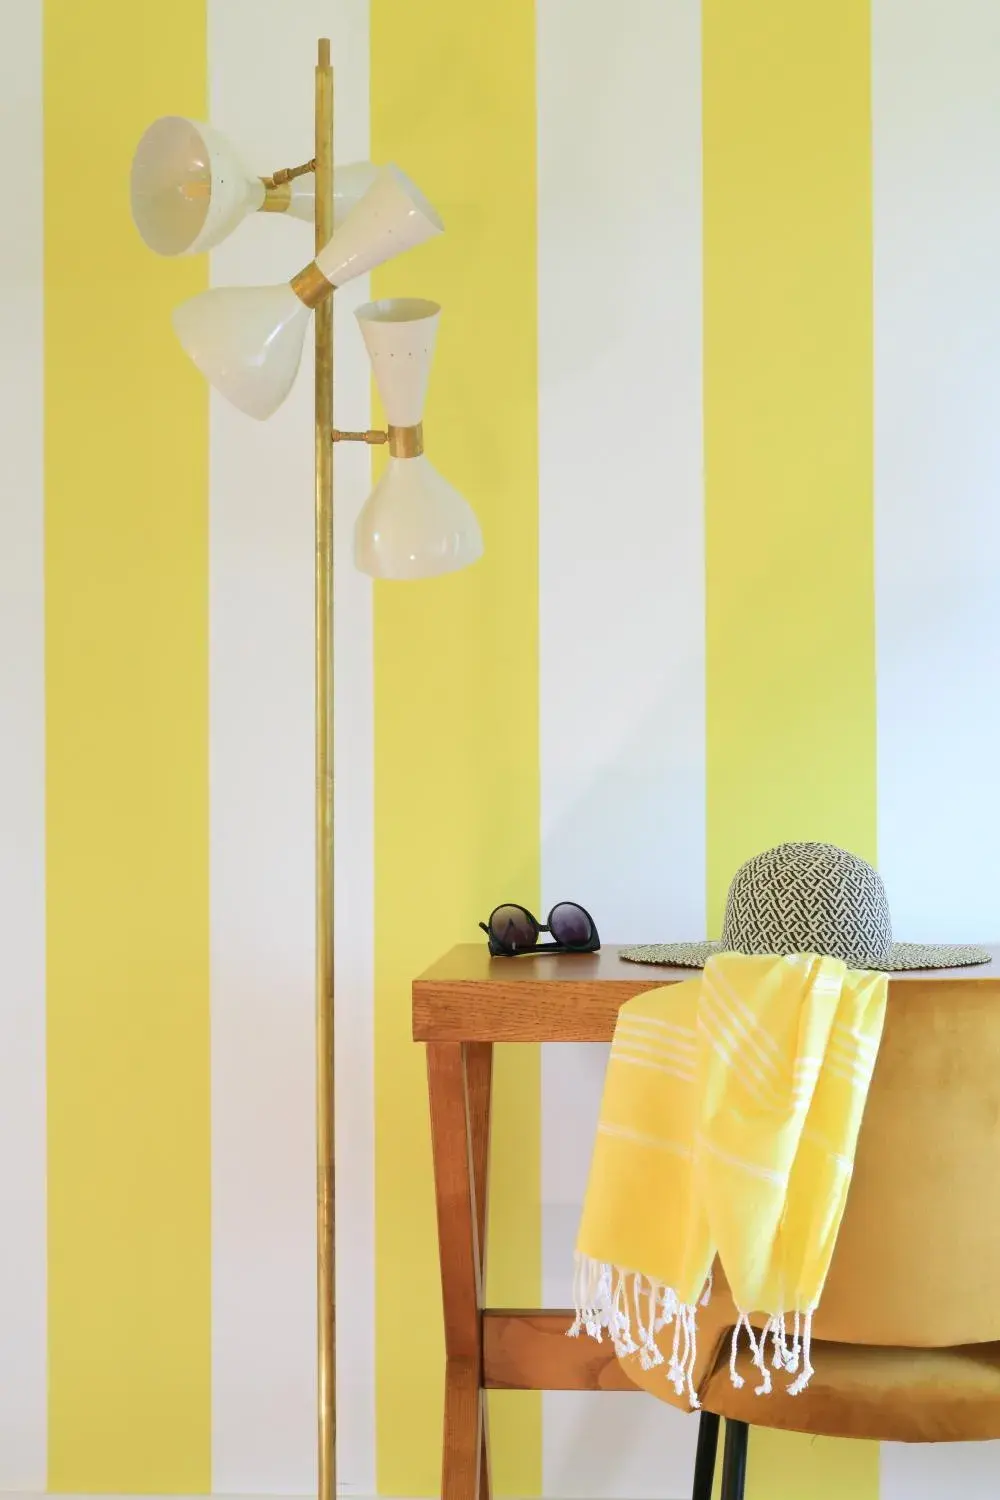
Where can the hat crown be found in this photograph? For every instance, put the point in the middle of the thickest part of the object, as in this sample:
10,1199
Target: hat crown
809,898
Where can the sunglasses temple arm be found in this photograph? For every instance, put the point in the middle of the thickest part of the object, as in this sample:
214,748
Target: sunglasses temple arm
491,943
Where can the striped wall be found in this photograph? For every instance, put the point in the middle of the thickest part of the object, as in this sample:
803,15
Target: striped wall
718,368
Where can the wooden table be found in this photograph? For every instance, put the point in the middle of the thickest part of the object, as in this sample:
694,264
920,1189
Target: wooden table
461,1007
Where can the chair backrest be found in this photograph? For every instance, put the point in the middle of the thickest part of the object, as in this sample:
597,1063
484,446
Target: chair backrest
917,1261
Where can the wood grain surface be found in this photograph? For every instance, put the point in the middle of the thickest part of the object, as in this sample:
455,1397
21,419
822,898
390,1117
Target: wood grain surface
469,996
529,1351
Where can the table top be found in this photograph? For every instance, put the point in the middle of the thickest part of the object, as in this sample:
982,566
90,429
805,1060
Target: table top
467,996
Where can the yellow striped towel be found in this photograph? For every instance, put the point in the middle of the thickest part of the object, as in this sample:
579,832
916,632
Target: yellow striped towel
730,1116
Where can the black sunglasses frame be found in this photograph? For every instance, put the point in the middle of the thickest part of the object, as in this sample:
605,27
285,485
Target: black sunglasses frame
500,950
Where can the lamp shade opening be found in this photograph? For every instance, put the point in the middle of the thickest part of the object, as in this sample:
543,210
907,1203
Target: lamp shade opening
189,190
392,216
414,524
246,341
399,335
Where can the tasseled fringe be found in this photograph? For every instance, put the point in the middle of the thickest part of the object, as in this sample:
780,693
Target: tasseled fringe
735,1377
668,1309
798,1386
601,1301
793,1362
785,1357
760,1358
592,1299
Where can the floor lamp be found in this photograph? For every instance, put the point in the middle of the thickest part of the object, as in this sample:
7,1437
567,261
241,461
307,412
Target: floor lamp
189,190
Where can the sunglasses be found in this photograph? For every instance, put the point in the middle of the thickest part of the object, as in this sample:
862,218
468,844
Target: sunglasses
512,930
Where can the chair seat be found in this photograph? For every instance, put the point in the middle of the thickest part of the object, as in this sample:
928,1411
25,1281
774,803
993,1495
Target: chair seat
897,1395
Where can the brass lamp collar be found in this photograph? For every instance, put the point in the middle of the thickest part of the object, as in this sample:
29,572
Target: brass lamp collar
278,187
406,442
277,197
311,286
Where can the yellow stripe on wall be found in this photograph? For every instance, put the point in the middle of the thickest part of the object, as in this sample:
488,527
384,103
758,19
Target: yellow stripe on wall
126,456
456,685
788,456
788,429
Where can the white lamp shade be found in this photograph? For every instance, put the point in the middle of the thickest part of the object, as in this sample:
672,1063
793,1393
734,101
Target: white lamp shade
392,216
399,335
189,189
350,183
246,341
415,525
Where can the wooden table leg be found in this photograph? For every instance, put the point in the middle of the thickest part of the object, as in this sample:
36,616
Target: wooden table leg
479,1091
461,1463
485,1478
460,1150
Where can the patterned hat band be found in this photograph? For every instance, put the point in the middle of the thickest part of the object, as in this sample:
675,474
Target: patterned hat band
811,898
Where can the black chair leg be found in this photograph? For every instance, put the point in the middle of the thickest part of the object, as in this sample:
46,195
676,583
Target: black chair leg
734,1460
704,1459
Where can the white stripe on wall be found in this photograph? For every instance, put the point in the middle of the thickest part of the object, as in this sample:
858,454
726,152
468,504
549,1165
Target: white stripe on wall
933,1471
263,1198
23,1394
622,593
936,139
936,131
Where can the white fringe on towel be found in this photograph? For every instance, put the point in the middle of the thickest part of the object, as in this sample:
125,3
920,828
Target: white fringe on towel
601,1302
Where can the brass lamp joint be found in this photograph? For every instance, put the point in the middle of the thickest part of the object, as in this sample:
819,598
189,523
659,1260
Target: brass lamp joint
371,436
406,442
288,174
310,285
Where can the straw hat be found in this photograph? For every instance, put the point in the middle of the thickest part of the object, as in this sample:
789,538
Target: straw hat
811,898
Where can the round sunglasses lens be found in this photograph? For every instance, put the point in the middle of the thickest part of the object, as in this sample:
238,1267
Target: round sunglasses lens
570,924
513,929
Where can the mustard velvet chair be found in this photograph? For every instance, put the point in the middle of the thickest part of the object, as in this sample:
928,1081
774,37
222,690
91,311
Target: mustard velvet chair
906,1343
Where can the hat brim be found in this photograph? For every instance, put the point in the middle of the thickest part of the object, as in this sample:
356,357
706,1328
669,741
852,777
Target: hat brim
902,957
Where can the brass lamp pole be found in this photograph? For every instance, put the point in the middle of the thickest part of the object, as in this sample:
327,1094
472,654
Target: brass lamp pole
326,1216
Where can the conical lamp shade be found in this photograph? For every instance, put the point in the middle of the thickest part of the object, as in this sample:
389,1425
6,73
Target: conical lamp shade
247,341
392,216
400,334
414,524
189,189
